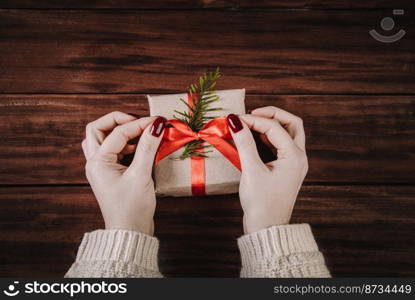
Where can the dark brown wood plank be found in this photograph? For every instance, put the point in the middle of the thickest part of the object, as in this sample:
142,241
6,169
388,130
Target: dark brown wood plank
362,230
349,138
192,4
296,51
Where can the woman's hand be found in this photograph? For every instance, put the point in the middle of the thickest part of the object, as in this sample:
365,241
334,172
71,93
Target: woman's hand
268,191
125,194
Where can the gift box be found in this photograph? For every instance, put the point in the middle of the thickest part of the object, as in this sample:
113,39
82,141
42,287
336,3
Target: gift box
216,173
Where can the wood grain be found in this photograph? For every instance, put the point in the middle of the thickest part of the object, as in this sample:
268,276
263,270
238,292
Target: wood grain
65,63
349,138
300,51
362,230
192,4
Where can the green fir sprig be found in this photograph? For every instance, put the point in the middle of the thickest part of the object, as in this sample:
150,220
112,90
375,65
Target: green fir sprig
203,94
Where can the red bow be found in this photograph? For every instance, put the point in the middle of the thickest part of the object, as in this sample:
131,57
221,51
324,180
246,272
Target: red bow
216,132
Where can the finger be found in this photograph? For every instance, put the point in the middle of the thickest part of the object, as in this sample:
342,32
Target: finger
274,132
147,147
85,149
96,130
116,141
292,123
245,143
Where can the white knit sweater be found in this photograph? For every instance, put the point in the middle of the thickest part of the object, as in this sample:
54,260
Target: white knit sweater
278,251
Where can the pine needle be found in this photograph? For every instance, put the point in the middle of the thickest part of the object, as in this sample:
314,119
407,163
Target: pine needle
202,95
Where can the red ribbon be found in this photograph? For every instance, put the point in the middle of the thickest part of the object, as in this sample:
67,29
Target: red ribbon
216,132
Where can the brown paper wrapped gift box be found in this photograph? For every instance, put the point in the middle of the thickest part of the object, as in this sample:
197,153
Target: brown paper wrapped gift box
173,176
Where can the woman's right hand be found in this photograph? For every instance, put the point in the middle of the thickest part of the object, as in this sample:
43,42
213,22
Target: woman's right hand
268,191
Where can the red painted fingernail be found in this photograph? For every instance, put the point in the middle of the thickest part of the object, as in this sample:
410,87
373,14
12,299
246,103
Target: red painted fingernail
134,115
158,126
234,123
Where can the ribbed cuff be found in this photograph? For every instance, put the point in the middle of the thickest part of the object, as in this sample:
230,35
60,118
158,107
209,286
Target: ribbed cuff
120,245
275,241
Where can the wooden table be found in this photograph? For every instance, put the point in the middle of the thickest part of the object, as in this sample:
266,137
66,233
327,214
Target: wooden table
65,63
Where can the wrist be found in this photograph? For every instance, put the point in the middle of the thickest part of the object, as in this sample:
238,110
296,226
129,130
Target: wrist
257,222
146,227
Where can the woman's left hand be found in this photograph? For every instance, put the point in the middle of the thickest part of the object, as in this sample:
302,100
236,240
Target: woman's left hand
125,194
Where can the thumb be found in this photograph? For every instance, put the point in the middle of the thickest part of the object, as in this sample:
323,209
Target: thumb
245,143
147,147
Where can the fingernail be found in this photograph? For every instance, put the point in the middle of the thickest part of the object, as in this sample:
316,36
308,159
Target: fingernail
158,126
134,115
234,123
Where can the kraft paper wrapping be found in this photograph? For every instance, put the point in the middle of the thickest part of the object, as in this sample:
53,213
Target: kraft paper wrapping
172,176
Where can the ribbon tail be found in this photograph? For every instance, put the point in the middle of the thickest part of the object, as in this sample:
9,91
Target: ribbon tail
226,149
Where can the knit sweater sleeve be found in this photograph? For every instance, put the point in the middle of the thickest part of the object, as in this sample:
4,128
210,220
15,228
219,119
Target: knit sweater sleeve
116,253
281,251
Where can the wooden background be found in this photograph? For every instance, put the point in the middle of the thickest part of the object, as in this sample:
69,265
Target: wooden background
65,63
